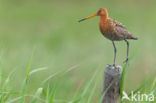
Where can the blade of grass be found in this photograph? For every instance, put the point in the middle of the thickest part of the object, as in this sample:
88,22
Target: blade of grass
0,73
47,94
6,82
5,96
50,77
18,98
92,93
79,99
93,90
52,94
0,70
37,70
26,79
123,79
59,72
123,76
38,93
14,100
77,91
145,82
153,85
4,87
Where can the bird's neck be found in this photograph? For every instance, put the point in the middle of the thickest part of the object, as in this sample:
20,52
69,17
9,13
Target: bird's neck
103,19
103,23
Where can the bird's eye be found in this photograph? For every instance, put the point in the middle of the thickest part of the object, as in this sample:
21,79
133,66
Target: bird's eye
99,12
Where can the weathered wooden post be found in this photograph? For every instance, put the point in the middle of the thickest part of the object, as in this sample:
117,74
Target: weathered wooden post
111,86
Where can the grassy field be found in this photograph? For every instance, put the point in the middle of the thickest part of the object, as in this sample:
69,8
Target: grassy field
43,46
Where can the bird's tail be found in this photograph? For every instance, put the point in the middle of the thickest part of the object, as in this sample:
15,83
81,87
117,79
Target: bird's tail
133,37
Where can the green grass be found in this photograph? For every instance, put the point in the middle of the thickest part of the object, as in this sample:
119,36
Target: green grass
68,53
47,94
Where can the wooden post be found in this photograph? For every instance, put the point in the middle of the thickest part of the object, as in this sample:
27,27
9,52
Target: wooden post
111,86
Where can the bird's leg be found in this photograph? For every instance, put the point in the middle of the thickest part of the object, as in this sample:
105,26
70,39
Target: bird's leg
127,50
114,52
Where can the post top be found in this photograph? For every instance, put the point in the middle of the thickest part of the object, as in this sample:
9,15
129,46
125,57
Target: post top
113,70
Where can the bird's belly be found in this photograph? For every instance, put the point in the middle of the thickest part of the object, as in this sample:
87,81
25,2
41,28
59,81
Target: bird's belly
112,36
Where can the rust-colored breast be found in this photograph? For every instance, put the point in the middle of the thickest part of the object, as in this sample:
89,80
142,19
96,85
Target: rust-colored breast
107,29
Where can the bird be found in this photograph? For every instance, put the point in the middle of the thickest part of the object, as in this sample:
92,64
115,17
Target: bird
112,30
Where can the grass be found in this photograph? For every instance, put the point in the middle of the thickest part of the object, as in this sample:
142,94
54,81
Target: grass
68,53
47,94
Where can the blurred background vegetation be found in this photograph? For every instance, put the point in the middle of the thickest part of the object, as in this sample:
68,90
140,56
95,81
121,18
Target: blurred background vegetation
60,42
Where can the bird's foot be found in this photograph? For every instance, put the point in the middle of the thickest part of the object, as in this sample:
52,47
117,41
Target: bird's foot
114,65
126,60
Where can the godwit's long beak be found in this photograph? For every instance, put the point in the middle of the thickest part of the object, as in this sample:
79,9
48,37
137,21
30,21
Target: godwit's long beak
87,17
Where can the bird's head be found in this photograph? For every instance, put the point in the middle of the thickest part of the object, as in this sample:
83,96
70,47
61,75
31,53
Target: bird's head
100,12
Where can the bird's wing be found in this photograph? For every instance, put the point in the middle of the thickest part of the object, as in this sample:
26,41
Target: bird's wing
121,30
118,24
